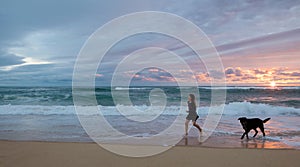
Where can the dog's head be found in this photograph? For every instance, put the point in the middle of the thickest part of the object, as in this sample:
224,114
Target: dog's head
243,121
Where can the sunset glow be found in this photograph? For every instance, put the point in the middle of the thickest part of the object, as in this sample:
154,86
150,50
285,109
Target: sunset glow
235,76
273,84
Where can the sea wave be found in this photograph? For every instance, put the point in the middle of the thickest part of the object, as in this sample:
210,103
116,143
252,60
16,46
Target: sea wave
56,96
130,88
232,109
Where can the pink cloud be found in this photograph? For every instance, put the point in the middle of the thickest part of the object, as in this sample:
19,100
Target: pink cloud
99,75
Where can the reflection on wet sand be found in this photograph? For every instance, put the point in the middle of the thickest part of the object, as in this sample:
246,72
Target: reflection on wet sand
263,143
189,141
253,143
233,142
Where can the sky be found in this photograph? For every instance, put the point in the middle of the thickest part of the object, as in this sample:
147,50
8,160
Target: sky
258,40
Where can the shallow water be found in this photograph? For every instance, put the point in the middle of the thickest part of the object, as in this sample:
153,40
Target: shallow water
43,123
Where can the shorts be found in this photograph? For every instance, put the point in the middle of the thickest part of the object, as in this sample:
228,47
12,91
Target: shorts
192,117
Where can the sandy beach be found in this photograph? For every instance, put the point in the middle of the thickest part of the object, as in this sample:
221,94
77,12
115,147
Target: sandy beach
46,154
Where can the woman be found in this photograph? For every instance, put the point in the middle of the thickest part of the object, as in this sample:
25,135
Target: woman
192,114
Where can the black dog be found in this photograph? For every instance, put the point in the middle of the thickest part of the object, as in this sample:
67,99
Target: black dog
253,123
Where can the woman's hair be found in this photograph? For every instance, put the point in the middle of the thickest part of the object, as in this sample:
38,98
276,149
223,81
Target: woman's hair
193,98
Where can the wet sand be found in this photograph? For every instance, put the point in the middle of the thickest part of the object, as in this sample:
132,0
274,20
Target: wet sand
46,154
234,142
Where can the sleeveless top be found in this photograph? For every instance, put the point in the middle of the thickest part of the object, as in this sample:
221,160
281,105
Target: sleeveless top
192,109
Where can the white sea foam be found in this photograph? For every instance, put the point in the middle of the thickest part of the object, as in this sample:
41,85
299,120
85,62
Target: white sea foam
130,88
231,109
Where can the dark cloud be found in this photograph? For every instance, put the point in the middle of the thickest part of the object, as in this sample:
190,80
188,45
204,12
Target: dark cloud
229,71
295,74
248,77
153,75
285,73
258,71
38,74
233,71
10,59
238,72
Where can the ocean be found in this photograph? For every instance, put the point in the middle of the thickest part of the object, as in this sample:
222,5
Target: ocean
48,113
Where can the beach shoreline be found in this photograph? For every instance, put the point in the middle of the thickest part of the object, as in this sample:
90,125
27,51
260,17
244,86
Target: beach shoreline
226,142
29,153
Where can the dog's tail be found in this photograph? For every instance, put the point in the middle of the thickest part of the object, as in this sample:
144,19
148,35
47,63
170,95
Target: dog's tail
266,120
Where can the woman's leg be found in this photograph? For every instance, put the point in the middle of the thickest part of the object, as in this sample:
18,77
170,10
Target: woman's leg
186,126
197,126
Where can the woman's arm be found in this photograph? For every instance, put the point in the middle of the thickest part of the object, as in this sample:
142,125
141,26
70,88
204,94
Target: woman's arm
189,108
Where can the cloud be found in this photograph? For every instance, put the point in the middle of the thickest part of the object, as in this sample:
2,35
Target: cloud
153,75
36,75
259,77
271,51
234,76
275,43
260,71
225,22
25,62
282,76
295,74
238,72
247,34
99,75
202,78
10,59
278,49
229,71
283,72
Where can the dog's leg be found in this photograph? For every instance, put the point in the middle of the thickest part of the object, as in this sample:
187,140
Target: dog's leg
255,132
243,135
262,130
247,134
